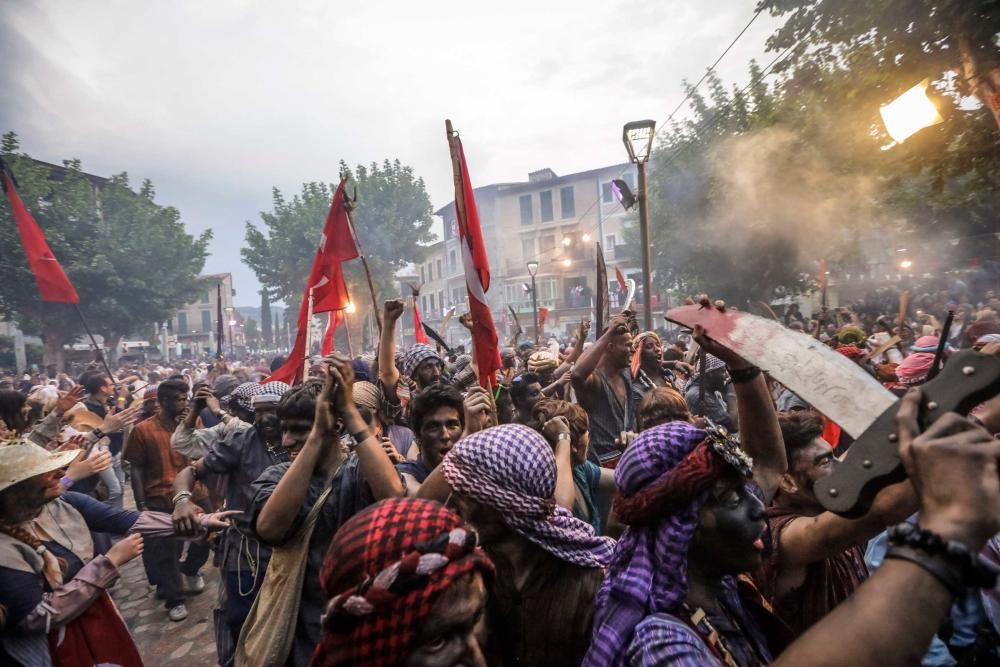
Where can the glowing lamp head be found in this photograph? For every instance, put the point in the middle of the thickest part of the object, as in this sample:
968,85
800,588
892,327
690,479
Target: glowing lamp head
566,241
586,238
532,267
906,264
350,307
567,263
910,112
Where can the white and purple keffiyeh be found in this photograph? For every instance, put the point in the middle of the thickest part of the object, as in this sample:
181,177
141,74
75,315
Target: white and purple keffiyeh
245,394
416,355
512,469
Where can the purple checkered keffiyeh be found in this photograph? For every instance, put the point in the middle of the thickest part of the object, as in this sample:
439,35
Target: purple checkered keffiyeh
648,572
243,394
512,469
416,355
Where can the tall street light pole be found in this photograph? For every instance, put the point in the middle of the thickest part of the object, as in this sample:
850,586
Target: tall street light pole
532,270
638,139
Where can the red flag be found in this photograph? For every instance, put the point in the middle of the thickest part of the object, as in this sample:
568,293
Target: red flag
418,331
477,267
621,280
543,314
53,285
326,280
335,318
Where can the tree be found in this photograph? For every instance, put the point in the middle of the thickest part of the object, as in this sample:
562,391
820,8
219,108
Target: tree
130,259
392,220
251,333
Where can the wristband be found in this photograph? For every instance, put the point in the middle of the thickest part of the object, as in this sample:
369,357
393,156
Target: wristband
744,375
360,436
565,435
181,495
98,433
972,570
945,572
67,481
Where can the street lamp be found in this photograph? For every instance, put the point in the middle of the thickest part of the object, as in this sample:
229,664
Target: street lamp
232,323
567,263
638,139
910,112
532,270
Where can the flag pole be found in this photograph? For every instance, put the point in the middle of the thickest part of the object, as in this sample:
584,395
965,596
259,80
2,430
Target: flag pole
349,205
93,341
308,350
347,328
218,322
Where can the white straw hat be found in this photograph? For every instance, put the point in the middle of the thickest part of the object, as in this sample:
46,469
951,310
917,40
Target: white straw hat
22,460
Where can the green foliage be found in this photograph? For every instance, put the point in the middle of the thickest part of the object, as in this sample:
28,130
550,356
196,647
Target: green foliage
251,333
392,220
130,259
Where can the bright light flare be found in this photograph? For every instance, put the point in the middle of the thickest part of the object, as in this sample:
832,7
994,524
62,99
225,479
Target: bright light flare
567,263
350,307
910,112
586,238
567,241
905,264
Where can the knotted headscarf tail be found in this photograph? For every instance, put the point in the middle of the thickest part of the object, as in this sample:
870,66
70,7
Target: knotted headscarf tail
384,570
637,344
511,468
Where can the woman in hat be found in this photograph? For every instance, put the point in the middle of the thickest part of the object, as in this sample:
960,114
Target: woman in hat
54,605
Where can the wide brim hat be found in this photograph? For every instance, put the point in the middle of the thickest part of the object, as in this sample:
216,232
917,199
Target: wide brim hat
23,460
82,419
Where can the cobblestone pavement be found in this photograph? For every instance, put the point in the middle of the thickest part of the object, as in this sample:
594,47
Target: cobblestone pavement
190,642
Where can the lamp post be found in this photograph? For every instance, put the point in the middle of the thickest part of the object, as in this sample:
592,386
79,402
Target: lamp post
638,139
532,270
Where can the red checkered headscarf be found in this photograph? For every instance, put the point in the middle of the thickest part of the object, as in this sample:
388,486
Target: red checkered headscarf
383,572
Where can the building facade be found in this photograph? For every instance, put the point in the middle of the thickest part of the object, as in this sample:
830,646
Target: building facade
550,219
194,328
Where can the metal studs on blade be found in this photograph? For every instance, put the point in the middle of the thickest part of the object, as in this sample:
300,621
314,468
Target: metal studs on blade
893,437
932,406
968,370
833,493
867,463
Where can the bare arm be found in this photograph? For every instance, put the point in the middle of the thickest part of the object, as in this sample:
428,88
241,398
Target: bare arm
556,431
374,463
760,435
584,381
387,371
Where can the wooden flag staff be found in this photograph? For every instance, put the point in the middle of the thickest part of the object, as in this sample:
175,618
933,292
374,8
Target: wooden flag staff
351,203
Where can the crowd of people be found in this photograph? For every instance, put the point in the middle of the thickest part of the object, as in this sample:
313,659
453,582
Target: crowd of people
624,498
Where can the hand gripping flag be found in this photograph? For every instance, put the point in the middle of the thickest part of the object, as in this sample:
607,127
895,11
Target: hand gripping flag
53,285
326,281
477,266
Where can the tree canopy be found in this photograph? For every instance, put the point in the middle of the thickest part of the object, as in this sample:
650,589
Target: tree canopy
130,259
392,220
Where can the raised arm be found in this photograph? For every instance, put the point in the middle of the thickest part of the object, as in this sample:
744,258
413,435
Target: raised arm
583,378
760,434
387,372
556,431
374,463
889,621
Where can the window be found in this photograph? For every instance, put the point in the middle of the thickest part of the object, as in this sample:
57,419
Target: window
204,297
422,278
441,303
528,249
457,295
545,201
548,244
431,311
629,178
526,210
206,320
546,289
451,261
607,196
440,273
182,323
567,203
609,245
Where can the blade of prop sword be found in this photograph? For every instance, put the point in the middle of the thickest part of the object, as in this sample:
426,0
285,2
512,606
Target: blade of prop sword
601,316
631,293
845,393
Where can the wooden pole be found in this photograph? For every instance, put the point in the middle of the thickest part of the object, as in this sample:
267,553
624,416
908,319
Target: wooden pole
350,205
347,327
93,341
308,350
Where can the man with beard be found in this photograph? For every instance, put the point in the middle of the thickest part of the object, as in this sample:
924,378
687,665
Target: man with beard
525,392
705,392
240,458
603,387
154,467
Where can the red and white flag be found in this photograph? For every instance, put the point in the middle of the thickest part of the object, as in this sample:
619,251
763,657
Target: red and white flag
326,280
418,329
53,284
477,266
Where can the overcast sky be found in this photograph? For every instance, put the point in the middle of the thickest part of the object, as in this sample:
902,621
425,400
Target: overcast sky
217,101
